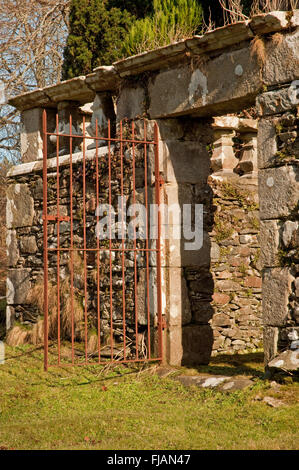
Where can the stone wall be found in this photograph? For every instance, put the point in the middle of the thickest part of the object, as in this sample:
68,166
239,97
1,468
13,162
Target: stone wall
235,264
279,191
210,297
235,250
213,295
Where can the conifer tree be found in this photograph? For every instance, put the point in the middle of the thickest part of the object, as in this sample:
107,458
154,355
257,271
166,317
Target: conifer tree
95,37
171,21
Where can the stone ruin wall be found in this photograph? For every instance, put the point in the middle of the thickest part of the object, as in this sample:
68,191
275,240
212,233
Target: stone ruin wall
278,189
214,163
211,298
220,284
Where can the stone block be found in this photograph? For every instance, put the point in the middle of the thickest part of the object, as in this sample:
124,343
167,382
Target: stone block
10,317
267,143
102,110
286,361
174,346
290,237
28,245
185,129
269,240
220,299
282,59
198,90
269,22
179,256
146,285
197,344
191,345
253,281
178,194
277,101
186,162
221,319
228,286
278,191
131,103
179,303
277,288
31,135
12,248
18,286
215,252
202,311
19,206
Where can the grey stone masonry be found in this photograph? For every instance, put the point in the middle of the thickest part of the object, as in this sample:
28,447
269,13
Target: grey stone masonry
278,154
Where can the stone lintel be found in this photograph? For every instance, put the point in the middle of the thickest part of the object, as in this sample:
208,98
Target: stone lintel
104,78
81,89
107,78
151,60
220,38
32,99
70,90
269,22
37,166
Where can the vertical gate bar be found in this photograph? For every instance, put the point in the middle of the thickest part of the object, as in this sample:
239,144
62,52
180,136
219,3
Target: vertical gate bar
110,241
135,244
146,242
72,239
45,227
122,234
158,241
84,240
98,246
58,237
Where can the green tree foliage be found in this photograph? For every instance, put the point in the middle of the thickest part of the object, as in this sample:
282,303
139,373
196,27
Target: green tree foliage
138,8
96,36
171,21
102,31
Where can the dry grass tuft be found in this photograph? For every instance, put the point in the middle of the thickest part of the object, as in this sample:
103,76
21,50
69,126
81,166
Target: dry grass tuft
18,335
258,49
277,39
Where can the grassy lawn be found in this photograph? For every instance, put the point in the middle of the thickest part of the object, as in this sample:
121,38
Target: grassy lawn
131,408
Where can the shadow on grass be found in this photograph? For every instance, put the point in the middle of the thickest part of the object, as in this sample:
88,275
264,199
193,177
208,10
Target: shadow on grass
251,364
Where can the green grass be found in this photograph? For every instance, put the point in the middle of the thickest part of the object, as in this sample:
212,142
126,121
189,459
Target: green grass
131,408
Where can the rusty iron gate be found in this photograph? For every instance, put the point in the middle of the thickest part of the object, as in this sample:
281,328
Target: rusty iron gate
100,306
